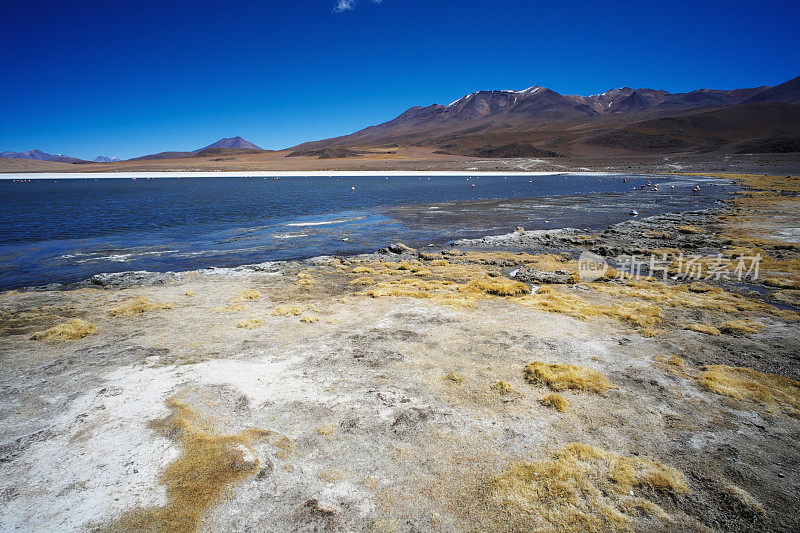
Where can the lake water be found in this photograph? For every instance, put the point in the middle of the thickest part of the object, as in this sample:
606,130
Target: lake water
69,229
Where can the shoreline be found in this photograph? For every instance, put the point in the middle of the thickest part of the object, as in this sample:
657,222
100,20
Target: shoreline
391,210
285,174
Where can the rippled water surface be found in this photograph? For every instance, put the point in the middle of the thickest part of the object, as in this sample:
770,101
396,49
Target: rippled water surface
69,229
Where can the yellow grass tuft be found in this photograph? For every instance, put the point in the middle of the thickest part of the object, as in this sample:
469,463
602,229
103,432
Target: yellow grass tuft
363,270
556,401
331,475
137,306
326,430
455,377
561,377
674,364
247,294
788,296
72,330
703,328
680,295
250,323
304,278
643,316
309,319
740,327
291,310
503,387
497,286
748,384
363,281
207,467
689,229
782,283
582,488
701,287
229,308
744,499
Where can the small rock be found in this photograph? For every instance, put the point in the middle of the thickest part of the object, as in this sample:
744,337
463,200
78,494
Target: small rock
529,275
322,507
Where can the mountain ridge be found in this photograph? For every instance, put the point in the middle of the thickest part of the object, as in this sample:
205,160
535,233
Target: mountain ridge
542,119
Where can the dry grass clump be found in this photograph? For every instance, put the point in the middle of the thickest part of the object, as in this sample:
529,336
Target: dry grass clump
748,384
331,475
326,430
740,327
673,360
363,281
689,229
680,295
673,363
744,499
781,283
503,387
701,287
455,377
137,306
561,377
556,401
291,310
643,316
305,278
71,330
788,296
442,291
309,319
703,328
208,466
581,489
498,286
247,294
439,262
229,308
363,270
250,323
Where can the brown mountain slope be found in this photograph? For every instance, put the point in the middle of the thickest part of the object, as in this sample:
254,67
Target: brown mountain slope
538,122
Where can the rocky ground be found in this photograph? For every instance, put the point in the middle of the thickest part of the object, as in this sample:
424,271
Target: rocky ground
485,386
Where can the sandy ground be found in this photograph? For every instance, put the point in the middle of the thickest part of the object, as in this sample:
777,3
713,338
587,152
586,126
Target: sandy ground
389,391
424,159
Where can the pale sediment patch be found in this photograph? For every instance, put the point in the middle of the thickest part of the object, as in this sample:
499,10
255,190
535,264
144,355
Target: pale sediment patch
105,459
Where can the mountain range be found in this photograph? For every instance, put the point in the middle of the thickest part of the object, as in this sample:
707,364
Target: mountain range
541,122
38,155
236,144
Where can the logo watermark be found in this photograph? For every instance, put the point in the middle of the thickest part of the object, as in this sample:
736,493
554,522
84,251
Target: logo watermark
719,267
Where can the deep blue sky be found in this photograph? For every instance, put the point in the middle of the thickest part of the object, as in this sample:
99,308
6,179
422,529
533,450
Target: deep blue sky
126,78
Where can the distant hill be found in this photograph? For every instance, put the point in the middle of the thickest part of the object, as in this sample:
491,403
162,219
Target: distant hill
105,159
539,122
38,155
226,146
231,142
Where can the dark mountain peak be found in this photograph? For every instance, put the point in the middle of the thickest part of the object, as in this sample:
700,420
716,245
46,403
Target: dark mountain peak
231,142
